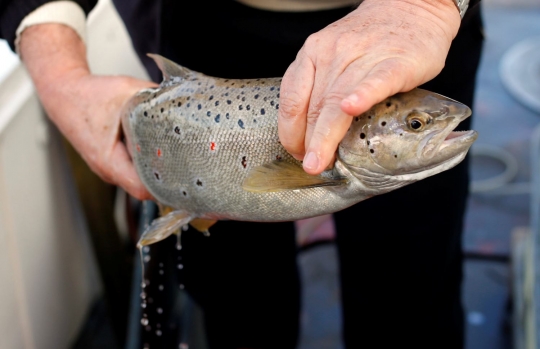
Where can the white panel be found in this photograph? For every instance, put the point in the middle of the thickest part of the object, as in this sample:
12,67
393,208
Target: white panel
50,265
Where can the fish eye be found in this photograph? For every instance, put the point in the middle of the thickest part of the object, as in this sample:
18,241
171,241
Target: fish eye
416,124
417,121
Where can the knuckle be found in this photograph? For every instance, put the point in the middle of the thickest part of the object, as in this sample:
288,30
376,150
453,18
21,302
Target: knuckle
290,106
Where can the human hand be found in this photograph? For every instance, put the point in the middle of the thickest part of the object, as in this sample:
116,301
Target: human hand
86,108
379,49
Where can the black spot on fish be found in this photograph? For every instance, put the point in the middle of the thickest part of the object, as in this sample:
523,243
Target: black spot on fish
265,99
152,116
227,115
238,97
211,86
242,87
208,113
383,123
244,161
217,103
256,96
372,151
248,107
179,104
243,99
199,107
367,142
188,105
277,95
277,106
227,94
272,103
199,183
388,104
369,117
145,114
158,177
177,130
211,97
240,107
184,193
226,80
162,110
229,101
272,88
263,111
188,98
232,84
401,134
216,119
356,118
362,135
395,156
241,123
278,157
254,121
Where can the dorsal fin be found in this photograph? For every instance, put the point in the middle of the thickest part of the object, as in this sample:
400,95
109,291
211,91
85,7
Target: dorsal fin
170,69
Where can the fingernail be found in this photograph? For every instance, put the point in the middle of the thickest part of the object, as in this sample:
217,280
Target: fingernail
311,161
350,101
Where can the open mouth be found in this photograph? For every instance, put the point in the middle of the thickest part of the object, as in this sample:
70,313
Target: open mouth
454,135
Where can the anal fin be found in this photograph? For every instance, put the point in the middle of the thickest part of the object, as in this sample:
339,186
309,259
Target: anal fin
163,227
281,175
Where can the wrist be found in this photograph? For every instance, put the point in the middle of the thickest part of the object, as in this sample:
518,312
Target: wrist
442,13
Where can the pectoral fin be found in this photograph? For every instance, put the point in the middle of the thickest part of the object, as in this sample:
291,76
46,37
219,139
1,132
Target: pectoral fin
281,175
163,227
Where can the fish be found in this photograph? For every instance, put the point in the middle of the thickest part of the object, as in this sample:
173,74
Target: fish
207,149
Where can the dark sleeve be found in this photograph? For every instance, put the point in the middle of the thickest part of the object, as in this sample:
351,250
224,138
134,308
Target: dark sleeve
12,12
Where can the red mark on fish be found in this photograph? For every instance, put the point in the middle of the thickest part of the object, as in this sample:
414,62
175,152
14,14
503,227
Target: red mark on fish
159,153
212,146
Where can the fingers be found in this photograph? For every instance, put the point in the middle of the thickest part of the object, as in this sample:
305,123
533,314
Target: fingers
354,92
124,174
385,79
294,101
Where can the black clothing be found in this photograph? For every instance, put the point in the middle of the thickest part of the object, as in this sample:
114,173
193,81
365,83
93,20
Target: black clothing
400,253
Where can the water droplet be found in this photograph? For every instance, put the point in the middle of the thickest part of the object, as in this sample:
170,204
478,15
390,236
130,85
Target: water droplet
159,310
146,249
161,272
146,346
161,287
143,284
148,328
182,286
161,265
144,321
143,295
183,346
180,266
143,305
146,258
158,333
185,227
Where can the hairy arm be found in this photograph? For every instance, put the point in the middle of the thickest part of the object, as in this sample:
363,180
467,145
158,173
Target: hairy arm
379,49
86,108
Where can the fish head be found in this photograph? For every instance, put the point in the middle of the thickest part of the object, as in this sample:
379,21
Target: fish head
408,133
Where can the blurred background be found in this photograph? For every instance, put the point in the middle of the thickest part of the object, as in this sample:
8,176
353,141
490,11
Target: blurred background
66,277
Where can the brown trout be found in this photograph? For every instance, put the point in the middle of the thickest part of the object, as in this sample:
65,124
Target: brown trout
208,149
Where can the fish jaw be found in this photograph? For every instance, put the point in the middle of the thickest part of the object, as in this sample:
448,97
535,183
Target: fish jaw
448,143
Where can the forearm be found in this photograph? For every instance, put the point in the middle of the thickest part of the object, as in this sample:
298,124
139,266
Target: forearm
53,53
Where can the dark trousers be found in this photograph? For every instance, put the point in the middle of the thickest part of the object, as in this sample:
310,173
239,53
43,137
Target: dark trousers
400,254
